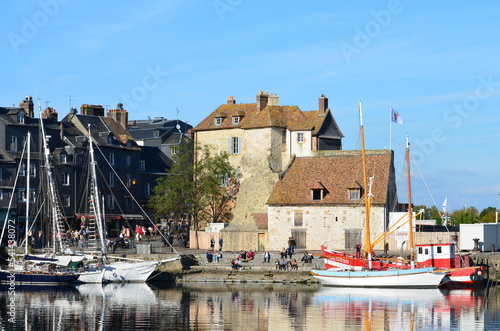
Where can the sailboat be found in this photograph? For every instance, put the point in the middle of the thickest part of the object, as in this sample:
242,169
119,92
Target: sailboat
392,277
439,255
33,271
125,270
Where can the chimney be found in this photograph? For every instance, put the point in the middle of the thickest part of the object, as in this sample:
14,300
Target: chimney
93,110
231,100
27,105
119,114
323,105
274,100
262,99
49,113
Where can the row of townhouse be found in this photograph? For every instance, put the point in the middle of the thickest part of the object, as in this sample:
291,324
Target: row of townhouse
128,168
296,181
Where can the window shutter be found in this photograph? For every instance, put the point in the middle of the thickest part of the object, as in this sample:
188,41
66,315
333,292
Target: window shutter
239,145
229,149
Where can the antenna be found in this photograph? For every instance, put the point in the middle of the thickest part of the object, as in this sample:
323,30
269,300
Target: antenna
47,104
70,97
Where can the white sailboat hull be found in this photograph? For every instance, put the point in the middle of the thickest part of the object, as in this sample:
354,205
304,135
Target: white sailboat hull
91,277
404,278
128,271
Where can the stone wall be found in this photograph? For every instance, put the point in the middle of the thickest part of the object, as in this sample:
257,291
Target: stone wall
323,225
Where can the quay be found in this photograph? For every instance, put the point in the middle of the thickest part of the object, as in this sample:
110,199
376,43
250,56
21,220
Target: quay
193,266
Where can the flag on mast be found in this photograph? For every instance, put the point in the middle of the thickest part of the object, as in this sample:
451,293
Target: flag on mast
445,204
395,117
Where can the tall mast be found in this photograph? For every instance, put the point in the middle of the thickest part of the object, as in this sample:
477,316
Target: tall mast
55,212
27,173
410,207
95,199
367,193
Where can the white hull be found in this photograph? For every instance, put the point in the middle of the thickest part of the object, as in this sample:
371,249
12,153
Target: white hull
407,278
91,277
128,271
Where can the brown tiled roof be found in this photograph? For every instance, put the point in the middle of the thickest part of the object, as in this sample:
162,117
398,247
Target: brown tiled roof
290,117
337,173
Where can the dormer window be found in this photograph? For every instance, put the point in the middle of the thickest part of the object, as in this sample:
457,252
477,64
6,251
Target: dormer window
354,191
218,121
318,192
63,158
236,120
20,117
156,134
354,194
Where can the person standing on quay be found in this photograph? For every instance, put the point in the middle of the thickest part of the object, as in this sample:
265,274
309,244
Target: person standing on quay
212,244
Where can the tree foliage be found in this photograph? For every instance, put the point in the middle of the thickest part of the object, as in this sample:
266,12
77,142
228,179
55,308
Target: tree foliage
201,184
431,213
488,215
468,215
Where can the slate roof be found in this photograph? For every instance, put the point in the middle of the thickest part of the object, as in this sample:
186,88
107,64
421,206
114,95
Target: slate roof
336,172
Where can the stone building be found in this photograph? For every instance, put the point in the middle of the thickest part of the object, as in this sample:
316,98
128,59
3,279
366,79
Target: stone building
262,139
320,200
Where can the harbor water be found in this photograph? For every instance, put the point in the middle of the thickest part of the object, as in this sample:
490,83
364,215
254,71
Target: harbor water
217,306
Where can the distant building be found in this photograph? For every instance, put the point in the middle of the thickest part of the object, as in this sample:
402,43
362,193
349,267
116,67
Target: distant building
159,132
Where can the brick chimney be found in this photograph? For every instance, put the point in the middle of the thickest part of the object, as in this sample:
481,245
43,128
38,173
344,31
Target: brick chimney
231,100
119,114
50,114
94,110
27,105
262,99
323,105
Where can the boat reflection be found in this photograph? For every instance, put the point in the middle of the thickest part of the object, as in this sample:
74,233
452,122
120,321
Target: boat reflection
401,309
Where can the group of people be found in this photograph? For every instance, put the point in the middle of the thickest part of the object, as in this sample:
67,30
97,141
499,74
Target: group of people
213,257
283,264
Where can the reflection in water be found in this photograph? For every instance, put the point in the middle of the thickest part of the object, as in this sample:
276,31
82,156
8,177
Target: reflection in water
246,306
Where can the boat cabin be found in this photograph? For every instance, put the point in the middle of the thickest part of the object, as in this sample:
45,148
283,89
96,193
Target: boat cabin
436,255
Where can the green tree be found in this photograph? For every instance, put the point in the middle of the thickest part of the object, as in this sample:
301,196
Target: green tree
488,215
468,215
431,213
204,189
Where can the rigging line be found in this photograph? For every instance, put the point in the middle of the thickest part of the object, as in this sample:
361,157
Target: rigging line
133,197
423,180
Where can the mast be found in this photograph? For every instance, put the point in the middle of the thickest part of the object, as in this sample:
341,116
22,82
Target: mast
54,207
27,173
367,241
95,199
410,208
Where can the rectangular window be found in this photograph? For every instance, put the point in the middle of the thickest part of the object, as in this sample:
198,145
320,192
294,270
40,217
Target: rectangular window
112,158
317,194
65,179
236,120
32,195
354,194
298,218
147,190
156,134
63,158
111,179
1,194
32,170
234,145
13,143
300,137
129,180
21,195
110,201
439,249
65,200
128,161
142,165
1,173
218,121
283,136
22,172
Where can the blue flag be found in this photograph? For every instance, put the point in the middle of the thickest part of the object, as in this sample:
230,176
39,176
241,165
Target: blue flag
395,117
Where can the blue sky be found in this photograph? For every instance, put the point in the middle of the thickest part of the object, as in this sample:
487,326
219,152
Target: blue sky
436,63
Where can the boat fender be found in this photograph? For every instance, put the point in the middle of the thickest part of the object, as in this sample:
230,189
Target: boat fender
474,277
